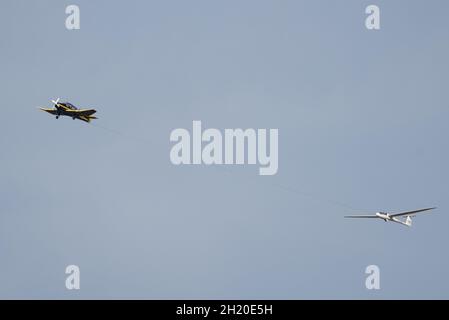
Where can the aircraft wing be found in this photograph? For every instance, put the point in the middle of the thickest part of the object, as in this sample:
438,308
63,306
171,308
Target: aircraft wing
82,112
364,216
408,213
52,111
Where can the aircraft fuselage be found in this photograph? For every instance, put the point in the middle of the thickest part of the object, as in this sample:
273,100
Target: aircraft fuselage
386,217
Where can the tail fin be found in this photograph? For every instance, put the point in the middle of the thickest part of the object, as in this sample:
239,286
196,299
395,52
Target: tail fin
408,221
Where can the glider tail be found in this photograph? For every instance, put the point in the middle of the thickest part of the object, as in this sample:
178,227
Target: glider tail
408,221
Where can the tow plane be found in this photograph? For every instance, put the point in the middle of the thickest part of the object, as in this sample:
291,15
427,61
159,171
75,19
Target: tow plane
395,217
69,110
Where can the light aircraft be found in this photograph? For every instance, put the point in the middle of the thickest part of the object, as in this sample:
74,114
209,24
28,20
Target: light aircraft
68,109
395,217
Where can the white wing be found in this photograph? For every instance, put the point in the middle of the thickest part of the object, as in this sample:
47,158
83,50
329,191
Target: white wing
365,216
409,213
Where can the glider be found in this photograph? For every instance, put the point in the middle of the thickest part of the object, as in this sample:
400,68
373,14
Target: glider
69,110
395,217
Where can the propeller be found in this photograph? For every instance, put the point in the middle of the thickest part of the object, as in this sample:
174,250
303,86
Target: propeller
55,102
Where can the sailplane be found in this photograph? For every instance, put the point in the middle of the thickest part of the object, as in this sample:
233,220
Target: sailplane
404,218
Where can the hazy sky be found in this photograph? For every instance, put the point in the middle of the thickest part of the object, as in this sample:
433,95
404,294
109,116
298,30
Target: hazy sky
362,118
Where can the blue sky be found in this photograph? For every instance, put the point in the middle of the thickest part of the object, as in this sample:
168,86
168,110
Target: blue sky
362,118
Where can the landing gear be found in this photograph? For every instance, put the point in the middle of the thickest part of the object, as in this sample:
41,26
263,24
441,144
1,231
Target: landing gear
57,117
73,118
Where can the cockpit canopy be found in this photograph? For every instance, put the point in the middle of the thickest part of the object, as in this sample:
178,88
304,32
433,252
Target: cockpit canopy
69,105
